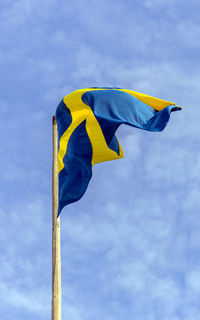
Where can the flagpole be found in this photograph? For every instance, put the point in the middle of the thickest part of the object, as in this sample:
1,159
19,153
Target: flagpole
56,258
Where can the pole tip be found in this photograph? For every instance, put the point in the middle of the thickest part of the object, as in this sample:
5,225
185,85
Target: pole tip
54,119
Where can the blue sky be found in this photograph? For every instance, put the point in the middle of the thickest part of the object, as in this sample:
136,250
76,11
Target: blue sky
131,245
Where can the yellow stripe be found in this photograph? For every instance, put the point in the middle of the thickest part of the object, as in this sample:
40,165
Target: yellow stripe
155,103
80,112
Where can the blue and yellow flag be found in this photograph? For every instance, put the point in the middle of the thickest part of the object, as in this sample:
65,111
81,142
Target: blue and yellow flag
87,120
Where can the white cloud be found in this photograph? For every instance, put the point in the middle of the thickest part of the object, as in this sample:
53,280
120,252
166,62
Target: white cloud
151,3
23,300
193,280
134,276
189,31
22,11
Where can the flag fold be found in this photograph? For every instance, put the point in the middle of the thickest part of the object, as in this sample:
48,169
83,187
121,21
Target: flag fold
87,120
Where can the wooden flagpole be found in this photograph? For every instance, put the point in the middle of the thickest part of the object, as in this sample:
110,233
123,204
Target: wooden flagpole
56,258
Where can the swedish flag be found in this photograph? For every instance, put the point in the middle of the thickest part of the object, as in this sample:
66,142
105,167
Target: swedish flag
87,120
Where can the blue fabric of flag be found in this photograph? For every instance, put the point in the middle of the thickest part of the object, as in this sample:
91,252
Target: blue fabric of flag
109,107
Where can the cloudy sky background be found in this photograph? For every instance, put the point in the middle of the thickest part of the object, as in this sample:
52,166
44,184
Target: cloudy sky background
131,245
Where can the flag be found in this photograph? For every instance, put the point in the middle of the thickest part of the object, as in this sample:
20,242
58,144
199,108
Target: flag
87,120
